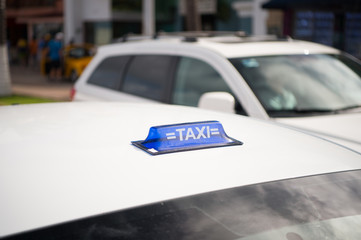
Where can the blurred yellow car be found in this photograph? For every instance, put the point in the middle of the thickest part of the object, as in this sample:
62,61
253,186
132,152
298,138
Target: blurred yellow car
76,58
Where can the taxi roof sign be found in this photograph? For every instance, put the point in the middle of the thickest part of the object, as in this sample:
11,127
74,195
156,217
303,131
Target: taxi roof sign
185,137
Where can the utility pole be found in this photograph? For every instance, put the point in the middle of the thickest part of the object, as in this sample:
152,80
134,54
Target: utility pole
5,83
193,19
148,17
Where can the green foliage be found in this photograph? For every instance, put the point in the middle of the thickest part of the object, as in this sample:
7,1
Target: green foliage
223,10
22,100
127,5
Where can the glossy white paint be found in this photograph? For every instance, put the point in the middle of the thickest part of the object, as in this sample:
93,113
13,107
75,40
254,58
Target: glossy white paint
340,128
217,101
216,54
245,49
211,52
66,161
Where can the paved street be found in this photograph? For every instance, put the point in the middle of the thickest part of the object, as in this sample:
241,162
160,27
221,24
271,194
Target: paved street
29,82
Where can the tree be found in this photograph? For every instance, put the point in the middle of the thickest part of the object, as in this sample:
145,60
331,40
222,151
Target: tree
5,83
193,19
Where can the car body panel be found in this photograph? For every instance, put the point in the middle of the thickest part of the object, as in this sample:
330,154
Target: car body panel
213,53
217,54
338,127
239,87
78,63
66,161
267,48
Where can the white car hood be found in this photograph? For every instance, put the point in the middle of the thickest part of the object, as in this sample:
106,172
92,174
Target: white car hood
344,129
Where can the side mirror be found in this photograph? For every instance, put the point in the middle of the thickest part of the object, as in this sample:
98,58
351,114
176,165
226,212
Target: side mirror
218,101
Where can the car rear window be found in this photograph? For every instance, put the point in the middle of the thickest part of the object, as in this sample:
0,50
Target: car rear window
109,72
148,76
317,207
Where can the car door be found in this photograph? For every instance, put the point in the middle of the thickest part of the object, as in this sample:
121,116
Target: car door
193,78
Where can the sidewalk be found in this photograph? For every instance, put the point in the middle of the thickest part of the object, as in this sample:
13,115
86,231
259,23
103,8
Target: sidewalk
29,82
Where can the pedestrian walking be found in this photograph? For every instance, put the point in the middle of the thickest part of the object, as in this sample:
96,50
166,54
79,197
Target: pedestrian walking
33,53
44,55
55,54
22,52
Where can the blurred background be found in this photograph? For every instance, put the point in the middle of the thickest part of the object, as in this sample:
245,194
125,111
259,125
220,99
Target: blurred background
27,24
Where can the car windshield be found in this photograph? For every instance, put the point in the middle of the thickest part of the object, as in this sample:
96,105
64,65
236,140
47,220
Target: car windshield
290,85
317,207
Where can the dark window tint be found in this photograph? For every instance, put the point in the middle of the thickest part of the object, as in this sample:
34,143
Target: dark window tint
311,208
193,78
109,71
79,52
148,76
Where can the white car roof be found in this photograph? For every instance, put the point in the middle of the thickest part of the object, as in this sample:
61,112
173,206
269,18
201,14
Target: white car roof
223,46
64,161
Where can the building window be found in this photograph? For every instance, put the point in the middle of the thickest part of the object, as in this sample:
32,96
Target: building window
98,33
353,34
314,26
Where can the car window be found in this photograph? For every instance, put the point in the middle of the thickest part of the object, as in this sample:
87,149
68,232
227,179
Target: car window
290,85
79,52
148,76
108,73
315,207
193,78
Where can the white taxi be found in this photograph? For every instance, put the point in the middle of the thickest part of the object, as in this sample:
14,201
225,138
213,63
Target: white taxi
306,85
143,171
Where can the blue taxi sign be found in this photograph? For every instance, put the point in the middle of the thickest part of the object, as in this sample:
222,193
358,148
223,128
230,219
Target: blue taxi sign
184,137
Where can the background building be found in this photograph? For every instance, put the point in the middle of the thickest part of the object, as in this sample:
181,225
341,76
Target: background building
332,22
27,19
100,22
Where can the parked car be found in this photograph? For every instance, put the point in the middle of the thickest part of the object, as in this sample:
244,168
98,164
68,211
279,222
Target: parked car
305,85
76,58
131,171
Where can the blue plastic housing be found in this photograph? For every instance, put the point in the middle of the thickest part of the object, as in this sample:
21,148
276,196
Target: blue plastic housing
184,137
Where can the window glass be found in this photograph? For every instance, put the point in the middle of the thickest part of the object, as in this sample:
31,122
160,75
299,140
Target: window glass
352,35
316,207
79,52
292,85
315,26
148,76
108,73
193,78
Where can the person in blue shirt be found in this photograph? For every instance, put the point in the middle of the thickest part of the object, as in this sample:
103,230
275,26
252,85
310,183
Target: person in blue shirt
55,48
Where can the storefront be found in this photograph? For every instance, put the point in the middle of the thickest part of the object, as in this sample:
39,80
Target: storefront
26,20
